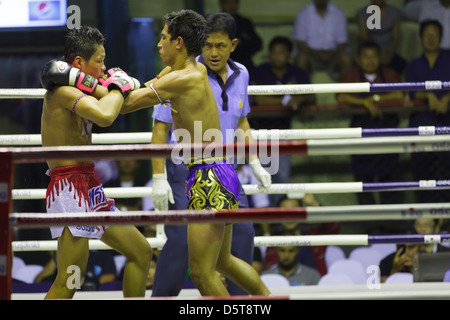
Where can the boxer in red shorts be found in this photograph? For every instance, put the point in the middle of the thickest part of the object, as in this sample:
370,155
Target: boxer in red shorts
72,103
77,189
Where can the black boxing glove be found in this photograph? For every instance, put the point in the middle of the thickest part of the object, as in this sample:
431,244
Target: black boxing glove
60,73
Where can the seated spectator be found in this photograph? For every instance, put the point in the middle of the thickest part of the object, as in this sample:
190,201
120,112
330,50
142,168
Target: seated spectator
387,37
433,64
48,274
258,200
151,273
402,259
411,9
372,168
279,71
128,177
438,10
100,269
289,267
106,170
399,261
429,226
320,32
311,256
249,42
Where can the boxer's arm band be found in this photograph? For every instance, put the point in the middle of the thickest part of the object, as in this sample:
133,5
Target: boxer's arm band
157,94
76,101
164,103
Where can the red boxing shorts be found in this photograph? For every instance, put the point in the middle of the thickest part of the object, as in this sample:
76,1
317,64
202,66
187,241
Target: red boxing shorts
77,189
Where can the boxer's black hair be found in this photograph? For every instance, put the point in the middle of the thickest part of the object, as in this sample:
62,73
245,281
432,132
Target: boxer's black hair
188,25
82,42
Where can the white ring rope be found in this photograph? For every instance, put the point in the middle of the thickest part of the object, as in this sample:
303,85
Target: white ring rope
146,137
408,211
272,134
355,87
309,88
274,241
275,188
378,145
318,147
20,93
158,242
97,138
30,93
250,189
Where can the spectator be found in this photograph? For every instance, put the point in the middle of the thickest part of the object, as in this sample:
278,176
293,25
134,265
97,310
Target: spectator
387,37
411,9
311,256
249,42
128,177
402,259
433,64
259,200
428,226
372,168
288,266
279,70
275,72
100,269
48,274
151,273
106,170
399,261
320,32
438,10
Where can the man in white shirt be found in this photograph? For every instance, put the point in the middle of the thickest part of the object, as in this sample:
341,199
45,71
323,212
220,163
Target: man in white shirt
320,32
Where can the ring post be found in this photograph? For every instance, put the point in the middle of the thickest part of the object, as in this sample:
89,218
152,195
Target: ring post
6,175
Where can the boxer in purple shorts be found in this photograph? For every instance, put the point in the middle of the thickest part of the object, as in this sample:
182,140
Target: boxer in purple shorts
212,186
184,87
229,81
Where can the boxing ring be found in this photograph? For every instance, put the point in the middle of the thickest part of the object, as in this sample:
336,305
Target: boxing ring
313,142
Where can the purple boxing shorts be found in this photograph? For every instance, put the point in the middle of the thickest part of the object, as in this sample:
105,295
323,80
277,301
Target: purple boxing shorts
212,186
